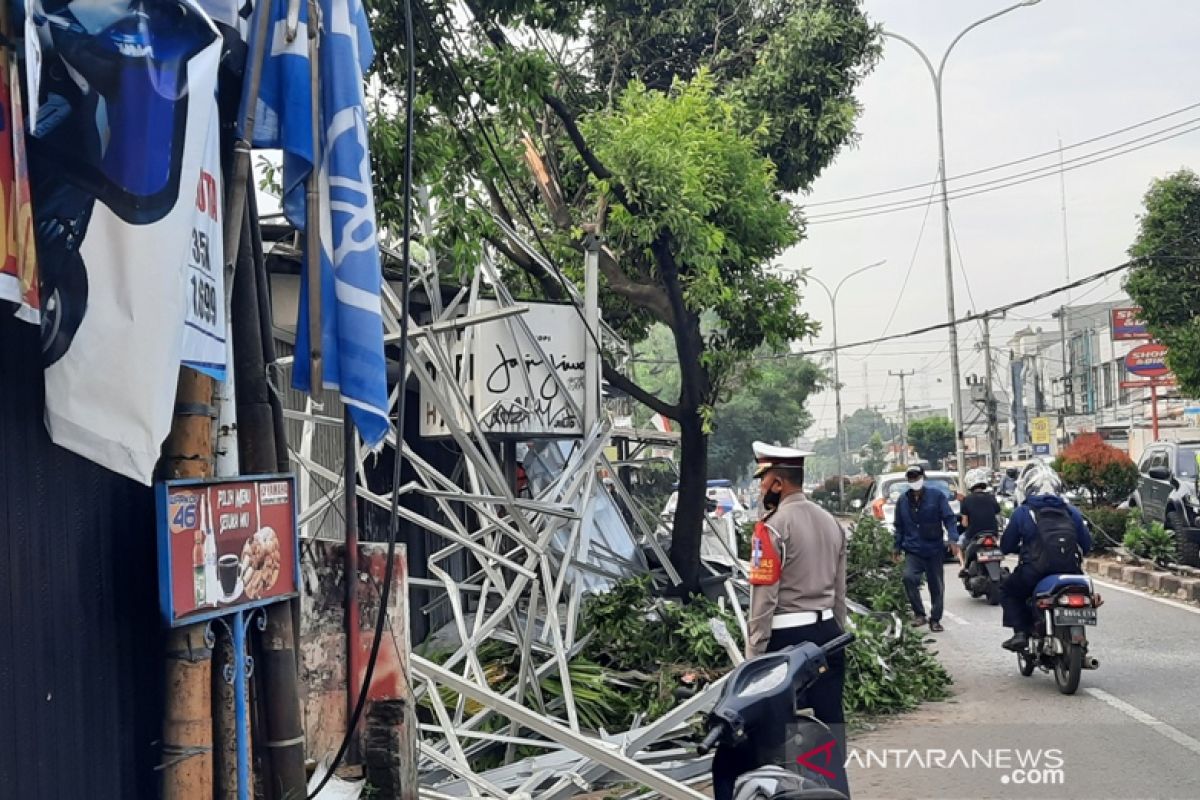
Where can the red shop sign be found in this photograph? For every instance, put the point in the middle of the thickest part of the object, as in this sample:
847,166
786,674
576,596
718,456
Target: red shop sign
225,545
1148,361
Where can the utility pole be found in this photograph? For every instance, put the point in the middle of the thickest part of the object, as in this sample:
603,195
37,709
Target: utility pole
990,396
591,314
903,412
937,75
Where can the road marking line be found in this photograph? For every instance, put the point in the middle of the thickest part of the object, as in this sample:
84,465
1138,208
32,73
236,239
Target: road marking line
955,618
1165,601
1155,724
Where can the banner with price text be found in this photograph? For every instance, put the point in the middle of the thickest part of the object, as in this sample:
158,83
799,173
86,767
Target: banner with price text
124,168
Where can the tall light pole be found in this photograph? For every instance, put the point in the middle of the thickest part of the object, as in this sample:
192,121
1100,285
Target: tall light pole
837,381
936,75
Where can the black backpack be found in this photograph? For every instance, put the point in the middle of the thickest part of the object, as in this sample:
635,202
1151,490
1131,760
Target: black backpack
1056,546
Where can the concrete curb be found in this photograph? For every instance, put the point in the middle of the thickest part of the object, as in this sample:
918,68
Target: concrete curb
1180,587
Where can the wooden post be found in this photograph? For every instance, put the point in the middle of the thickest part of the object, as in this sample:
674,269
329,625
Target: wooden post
284,734
187,724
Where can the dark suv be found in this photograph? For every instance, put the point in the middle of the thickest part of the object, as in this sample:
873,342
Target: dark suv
1166,493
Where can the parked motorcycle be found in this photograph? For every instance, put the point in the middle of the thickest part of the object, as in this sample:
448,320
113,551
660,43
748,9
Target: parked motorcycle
1063,608
984,567
756,713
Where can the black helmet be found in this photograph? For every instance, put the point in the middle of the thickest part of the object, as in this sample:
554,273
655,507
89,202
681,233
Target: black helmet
1012,472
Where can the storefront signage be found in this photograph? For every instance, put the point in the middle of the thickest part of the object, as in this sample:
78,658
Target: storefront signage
1041,434
225,545
1126,325
1148,361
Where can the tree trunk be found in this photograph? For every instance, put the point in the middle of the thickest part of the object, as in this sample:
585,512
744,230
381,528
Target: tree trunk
689,510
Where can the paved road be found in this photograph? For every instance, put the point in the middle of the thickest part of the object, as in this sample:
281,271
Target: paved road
1132,730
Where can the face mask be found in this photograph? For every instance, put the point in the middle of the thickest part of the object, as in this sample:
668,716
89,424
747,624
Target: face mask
917,485
771,500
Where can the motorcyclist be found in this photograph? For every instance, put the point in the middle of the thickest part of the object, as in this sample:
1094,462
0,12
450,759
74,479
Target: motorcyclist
1008,484
979,510
1048,532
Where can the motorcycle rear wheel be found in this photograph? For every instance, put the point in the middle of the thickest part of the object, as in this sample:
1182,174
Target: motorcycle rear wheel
1067,669
993,595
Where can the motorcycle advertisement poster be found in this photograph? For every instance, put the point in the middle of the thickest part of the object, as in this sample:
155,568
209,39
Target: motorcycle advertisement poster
125,175
18,255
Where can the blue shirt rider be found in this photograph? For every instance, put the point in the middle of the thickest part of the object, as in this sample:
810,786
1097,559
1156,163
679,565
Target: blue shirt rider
1042,489
920,516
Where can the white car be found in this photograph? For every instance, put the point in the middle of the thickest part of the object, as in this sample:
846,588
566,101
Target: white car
888,489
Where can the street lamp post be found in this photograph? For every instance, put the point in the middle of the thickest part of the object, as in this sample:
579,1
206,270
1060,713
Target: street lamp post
936,75
837,381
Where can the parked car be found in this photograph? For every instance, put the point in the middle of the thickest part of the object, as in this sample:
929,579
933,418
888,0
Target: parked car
888,488
721,500
1167,493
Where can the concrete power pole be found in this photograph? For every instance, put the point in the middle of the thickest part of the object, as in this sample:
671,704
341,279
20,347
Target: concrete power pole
903,412
993,426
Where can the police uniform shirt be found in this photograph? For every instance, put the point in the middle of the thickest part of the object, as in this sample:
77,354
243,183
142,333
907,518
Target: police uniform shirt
812,548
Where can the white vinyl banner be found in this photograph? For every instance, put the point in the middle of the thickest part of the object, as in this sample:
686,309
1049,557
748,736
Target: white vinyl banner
125,174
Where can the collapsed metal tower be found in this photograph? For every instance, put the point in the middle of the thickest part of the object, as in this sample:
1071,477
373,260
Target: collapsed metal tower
533,558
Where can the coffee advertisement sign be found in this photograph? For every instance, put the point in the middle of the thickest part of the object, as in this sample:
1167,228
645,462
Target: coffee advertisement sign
225,545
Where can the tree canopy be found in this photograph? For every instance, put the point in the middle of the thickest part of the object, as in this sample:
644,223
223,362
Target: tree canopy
875,456
673,130
932,438
1164,278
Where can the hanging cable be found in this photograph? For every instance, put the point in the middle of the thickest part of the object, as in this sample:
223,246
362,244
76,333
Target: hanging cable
394,521
1006,182
1006,164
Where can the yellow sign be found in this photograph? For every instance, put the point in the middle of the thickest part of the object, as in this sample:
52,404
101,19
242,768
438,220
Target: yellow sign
1039,430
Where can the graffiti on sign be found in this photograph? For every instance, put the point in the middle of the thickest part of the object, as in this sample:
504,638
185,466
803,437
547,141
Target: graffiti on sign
512,388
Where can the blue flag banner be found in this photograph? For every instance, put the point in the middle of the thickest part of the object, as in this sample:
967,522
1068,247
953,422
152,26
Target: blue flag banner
351,321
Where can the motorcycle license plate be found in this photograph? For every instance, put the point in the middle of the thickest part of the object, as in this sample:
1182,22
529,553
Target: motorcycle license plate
1074,616
990,555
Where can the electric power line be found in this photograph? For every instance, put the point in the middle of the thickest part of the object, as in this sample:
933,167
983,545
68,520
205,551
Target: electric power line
992,186
1012,163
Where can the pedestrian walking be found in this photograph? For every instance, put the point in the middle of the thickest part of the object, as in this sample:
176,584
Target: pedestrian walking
798,592
921,514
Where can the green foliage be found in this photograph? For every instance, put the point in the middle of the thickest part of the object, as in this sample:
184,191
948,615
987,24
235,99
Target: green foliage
768,404
634,630
932,438
872,577
886,675
1104,472
1164,279
875,461
1108,526
1153,542
857,430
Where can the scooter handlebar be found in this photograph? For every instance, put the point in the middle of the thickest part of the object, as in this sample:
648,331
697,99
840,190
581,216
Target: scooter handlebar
838,644
710,741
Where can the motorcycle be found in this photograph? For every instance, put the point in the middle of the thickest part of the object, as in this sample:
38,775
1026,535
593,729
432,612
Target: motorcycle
756,713
1064,607
985,570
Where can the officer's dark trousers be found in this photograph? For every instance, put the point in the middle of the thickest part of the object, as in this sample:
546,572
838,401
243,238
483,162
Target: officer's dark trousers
931,567
1014,598
825,700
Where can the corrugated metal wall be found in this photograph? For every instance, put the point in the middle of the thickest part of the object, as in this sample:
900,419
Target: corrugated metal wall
80,646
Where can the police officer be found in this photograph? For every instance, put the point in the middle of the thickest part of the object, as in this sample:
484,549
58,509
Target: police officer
798,583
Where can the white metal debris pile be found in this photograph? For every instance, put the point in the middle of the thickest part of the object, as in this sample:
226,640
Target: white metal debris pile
486,374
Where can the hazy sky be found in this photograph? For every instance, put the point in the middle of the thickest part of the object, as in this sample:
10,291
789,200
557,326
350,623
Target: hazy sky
1070,68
